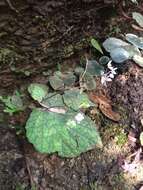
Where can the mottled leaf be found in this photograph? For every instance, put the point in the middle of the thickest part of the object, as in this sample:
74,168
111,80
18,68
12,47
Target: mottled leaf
56,82
67,134
53,100
60,80
89,82
94,68
38,91
75,100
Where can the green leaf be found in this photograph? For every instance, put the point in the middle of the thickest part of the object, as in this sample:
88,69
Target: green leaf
12,103
56,82
96,45
138,18
69,79
135,40
138,60
132,50
68,134
94,68
89,82
60,80
112,43
141,138
104,60
75,100
53,100
38,91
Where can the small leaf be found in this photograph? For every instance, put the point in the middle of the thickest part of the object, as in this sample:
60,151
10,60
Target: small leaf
94,68
96,45
108,112
38,91
132,50
105,106
138,60
89,82
60,80
75,100
138,17
53,100
79,70
69,79
56,83
135,40
104,60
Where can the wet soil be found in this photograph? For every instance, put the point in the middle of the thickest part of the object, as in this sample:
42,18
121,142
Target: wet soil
41,37
127,90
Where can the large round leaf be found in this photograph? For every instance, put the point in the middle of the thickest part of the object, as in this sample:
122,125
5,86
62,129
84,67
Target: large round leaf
119,55
68,134
112,43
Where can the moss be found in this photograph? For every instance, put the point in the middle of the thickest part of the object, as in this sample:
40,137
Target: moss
68,51
121,138
94,186
7,56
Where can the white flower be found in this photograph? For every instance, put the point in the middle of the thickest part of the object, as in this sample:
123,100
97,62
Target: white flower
79,117
111,68
107,77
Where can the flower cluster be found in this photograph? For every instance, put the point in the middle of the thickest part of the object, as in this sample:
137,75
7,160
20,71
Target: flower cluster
107,77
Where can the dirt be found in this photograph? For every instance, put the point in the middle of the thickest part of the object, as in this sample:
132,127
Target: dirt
13,169
127,90
39,38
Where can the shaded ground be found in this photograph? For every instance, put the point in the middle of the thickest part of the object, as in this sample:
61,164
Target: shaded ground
42,37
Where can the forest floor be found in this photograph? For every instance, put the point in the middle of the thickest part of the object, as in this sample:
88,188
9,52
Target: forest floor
40,39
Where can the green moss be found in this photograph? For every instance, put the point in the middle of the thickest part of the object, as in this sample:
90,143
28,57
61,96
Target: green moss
7,56
121,138
68,51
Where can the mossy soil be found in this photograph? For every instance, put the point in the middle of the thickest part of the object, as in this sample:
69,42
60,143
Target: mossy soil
41,38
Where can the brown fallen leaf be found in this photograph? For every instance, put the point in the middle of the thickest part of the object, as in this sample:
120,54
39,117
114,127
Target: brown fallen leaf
105,105
99,99
108,112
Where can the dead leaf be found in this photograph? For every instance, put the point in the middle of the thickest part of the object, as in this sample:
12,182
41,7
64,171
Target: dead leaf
105,105
108,112
99,99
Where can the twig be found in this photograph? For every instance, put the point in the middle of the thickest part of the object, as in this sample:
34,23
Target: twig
83,74
11,6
